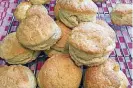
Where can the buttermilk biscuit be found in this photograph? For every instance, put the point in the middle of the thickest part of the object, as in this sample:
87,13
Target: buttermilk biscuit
59,71
16,76
73,12
91,43
21,9
62,44
122,14
107,75
38,32
39,1
25,9
14,53
56,10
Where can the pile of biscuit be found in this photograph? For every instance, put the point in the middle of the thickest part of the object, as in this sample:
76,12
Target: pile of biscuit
74,40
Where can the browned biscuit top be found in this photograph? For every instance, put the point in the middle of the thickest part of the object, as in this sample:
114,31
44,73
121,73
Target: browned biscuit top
123,9
82,6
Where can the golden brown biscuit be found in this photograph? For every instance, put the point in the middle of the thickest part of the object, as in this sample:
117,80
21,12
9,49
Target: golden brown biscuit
25,9
107,75
16,76
56,10
62,44
21,9
14,53
122,14
59,71
39,1
38,32
90,44
73,12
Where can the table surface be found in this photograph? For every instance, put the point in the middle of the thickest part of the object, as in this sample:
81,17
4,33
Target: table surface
122,53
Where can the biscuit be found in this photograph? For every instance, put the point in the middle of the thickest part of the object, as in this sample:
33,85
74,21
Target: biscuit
38,32
14,53
122,15
74,12
91,43
16,76
21,9
59,71
107,75
62,44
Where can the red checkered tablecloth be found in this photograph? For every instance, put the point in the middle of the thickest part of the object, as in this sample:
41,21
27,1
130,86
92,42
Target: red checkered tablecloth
6,9
122,53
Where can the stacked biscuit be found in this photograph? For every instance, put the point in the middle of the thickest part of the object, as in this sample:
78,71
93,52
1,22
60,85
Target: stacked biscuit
74,40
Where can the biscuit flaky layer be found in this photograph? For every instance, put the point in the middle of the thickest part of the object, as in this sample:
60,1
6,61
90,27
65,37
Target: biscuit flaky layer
72,19
82,58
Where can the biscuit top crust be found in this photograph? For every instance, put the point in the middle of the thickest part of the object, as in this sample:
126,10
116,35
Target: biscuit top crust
79,6
123,9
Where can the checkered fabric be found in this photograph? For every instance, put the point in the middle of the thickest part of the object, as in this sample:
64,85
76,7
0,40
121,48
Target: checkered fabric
6,9
122,53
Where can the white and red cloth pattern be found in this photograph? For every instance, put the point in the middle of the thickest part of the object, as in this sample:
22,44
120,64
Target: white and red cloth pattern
122,53
6,9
